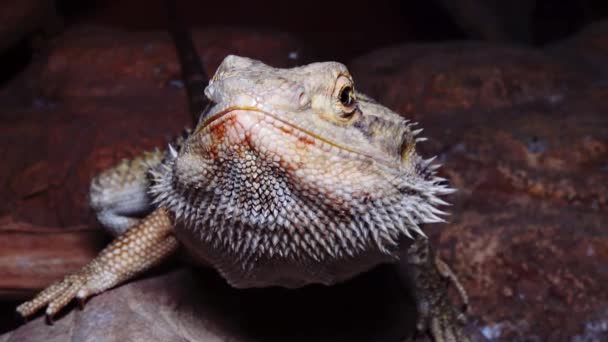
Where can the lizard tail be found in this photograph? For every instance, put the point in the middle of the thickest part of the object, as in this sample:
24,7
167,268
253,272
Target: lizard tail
193,74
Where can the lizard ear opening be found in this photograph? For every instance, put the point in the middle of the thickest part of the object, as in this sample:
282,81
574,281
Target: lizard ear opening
408,148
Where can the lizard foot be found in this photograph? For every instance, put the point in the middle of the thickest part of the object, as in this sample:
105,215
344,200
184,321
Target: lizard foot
136,250
58,295
437,316
440,320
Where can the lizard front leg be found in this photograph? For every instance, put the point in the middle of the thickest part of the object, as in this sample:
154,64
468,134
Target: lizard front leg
119,195
136,250
431,277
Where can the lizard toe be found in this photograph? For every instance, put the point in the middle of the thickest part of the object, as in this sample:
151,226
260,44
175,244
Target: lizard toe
444,326
62,299
55,297
42,299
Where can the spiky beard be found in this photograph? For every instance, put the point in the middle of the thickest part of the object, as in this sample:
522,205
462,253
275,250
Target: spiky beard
252,215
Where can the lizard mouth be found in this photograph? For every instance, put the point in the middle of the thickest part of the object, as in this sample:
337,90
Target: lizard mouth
286,126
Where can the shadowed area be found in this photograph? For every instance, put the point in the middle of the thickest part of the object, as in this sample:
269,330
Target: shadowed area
197,305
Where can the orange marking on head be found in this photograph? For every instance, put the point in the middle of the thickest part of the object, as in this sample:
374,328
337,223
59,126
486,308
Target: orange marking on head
218,131
306,140
218,134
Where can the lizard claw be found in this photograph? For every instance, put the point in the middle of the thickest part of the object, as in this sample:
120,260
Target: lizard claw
81,302
443,324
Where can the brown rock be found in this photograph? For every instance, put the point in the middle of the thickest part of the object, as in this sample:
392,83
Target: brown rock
549,256
100,62
51,153
34,256
457,77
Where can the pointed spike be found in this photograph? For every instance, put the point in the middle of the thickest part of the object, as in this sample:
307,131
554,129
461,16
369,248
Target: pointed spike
432,218
428,162
445,191
407,233
438,201
419,231
172,151
438,212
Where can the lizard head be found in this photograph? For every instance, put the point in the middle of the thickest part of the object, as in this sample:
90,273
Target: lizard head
296,164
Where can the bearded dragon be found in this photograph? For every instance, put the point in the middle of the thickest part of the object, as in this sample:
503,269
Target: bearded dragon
291,177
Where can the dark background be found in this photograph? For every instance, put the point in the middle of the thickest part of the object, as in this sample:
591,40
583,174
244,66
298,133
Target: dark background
337,30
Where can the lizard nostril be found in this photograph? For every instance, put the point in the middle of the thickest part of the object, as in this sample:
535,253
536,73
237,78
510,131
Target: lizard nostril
303,99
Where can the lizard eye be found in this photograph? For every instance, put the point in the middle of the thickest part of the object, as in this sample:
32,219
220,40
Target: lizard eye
347,96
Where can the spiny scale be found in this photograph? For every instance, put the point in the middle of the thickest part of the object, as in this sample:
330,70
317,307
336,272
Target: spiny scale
251,213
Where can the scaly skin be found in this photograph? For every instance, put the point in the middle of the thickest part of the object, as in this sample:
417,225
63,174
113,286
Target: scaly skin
290,178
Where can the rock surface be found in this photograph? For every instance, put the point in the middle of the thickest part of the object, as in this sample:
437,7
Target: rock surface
523,135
